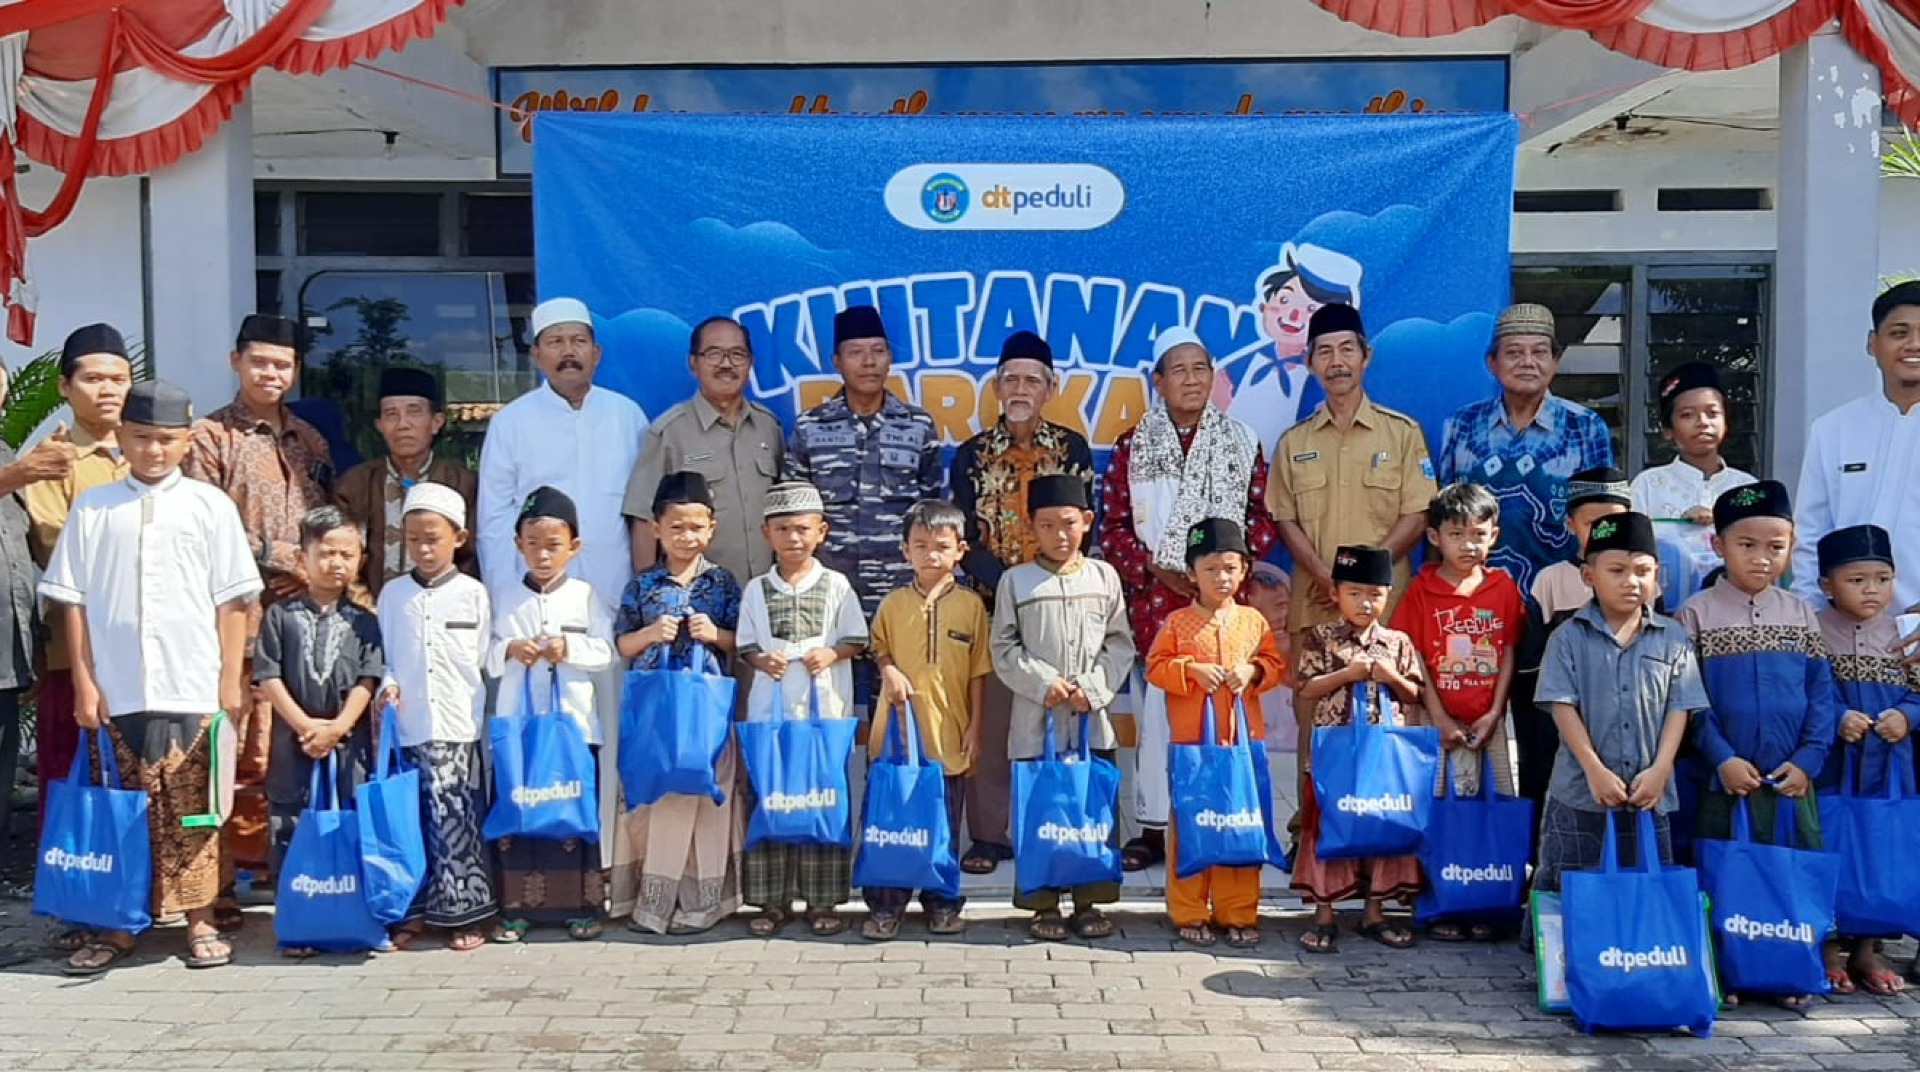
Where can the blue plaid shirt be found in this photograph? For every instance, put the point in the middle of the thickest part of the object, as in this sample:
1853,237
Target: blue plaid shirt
1527,470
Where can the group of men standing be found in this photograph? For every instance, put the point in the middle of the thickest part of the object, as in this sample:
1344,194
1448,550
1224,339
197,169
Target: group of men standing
1350,473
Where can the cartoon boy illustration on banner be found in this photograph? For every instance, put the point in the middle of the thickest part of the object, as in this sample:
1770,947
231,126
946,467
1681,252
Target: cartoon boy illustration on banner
1273,386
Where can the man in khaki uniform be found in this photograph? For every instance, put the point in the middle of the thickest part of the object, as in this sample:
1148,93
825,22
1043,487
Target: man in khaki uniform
737,445
1350,473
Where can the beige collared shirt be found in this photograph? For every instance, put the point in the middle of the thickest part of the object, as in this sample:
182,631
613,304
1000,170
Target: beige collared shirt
1348,487
740,461
49,501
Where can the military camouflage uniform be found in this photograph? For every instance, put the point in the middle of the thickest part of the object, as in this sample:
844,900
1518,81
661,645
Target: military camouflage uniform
869,470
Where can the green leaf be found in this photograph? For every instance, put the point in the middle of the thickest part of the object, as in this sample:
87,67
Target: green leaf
1901,159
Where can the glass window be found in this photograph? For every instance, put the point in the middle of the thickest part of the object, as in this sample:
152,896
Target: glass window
266,224
266,292
454,323
497,225
370,225
1716,315
1590,310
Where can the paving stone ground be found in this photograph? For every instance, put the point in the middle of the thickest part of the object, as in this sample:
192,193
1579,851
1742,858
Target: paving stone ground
991,1000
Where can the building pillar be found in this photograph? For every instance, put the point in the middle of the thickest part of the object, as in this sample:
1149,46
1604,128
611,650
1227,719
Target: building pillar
200,279
1828,210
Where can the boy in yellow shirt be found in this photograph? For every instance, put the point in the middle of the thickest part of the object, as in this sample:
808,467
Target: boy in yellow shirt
930,642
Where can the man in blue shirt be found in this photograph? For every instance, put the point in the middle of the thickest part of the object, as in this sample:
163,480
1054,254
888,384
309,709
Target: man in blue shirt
1525,443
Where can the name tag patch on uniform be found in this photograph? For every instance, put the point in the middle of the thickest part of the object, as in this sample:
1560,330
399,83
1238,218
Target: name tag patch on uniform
691,458
1380,458
1310,456
834,438
1854,467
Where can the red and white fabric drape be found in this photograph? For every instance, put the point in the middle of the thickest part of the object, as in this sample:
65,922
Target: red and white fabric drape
1694,35
122,87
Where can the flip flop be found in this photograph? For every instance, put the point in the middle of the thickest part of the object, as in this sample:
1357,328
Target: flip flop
879,928
1323,939
466,940
299,952
945,921
1387,934
115,954
1198,935
1243,937
198,956
984,858
71,941
405,937
1884,983
509,931
1840,980
1447,932
584,930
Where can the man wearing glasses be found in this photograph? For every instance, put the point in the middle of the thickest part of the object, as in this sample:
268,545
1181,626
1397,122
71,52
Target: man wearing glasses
737,445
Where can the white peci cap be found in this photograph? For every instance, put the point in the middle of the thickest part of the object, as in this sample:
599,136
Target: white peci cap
1164,342
437,499
559,311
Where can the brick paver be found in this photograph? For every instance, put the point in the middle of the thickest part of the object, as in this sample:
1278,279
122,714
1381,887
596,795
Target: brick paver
992,1000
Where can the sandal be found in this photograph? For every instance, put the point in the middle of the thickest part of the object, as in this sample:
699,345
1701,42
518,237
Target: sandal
509,931
1840,981
405,936
71,941
880,928
1143,852
984,858
1091,923
1447,932
825,923
87,959
1198,935
227,918
1243,937
299,952
466,940
1323,939
1881,983
1048,927
945,921
583,930
1483,932
1794,1002
769,923
1387,934
208,951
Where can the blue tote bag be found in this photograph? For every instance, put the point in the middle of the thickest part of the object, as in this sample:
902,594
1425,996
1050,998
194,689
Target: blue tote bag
798,768
906,840
673,728
1475,853
1877,839
1222,808
96,854
1772,907
1373,783
393,843
321,903
1066,807
1638,958
546,783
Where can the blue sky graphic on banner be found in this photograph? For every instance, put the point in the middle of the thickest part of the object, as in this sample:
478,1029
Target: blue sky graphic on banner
1096,232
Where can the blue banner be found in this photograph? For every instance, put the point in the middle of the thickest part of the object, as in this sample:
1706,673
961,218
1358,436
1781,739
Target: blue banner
1098,233
1172,88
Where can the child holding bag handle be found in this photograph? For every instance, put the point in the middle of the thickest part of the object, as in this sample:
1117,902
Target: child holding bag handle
1334,658
1214,651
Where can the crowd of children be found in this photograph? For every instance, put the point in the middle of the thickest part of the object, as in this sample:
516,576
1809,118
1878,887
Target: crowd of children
1766,693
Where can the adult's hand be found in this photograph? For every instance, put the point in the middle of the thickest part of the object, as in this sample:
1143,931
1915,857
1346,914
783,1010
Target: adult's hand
51,459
